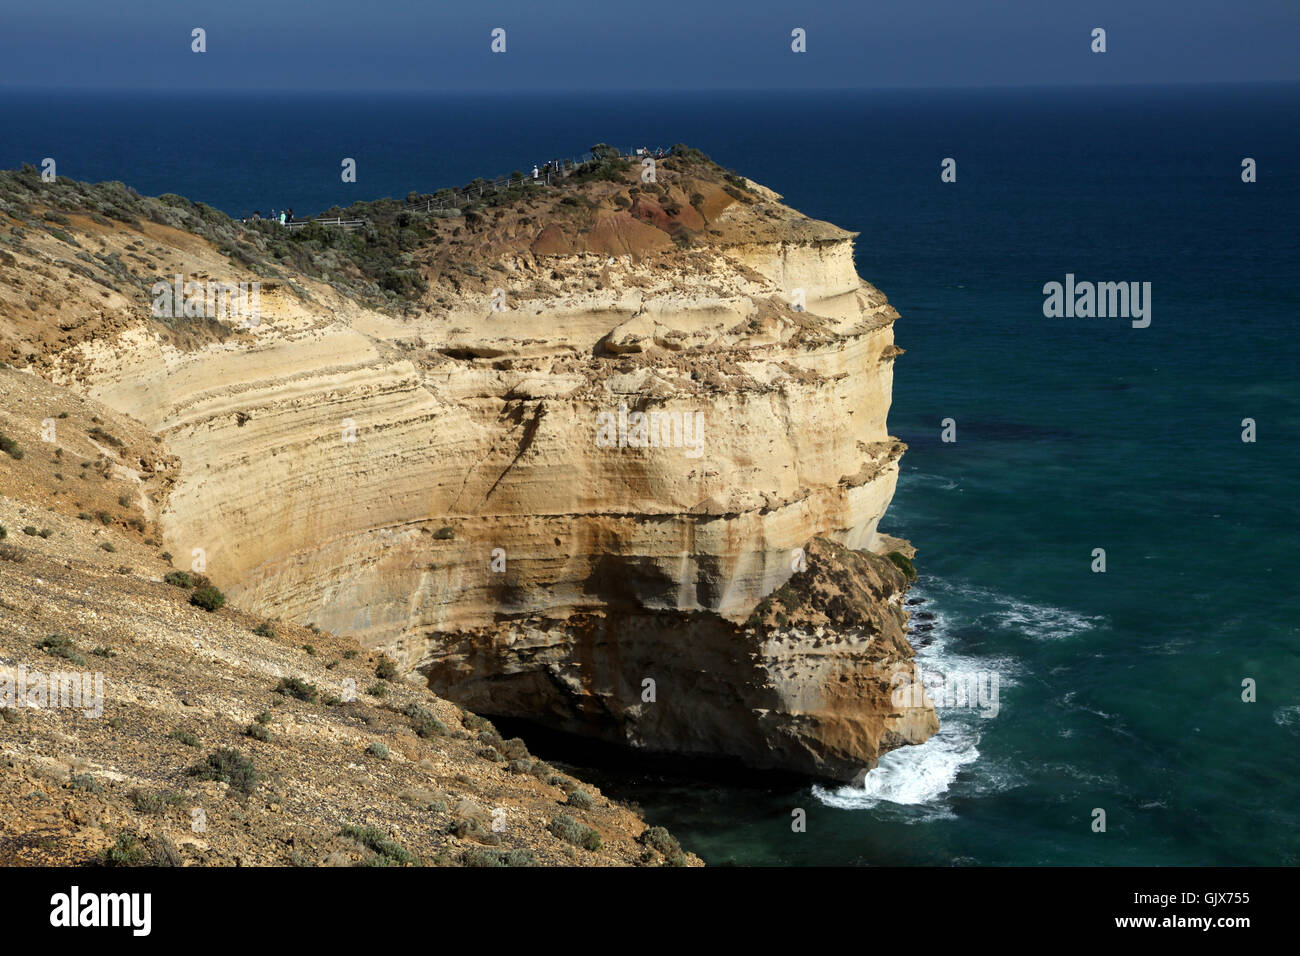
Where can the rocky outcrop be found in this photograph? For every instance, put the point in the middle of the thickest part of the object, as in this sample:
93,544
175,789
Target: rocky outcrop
803,685
115,688
604,434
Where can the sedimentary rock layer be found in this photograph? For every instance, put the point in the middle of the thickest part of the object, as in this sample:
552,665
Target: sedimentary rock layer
465,483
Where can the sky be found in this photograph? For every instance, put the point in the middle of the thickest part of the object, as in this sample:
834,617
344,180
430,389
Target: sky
630,45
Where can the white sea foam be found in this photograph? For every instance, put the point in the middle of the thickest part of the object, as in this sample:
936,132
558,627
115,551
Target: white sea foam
922,777
1036,621
1288,717
911,776
918,777
945,484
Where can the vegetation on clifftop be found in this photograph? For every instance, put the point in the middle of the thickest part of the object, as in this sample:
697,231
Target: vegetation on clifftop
377,264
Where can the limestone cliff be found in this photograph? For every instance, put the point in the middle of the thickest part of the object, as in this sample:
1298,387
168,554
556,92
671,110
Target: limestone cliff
466,482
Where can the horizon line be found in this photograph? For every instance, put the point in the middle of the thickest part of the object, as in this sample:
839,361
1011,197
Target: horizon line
527,92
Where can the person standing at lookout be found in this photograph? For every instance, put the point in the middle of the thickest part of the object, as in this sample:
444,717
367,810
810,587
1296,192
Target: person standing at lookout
534,170
282,217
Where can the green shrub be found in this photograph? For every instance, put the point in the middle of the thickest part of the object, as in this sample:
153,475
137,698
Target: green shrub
378,749
127,851
86,782
187,737
30,530
444,534
377,690
9,446
580,800
105,437
903,563
229,767
543,771
109,547
663,842
424,722
264,630
476,857
104,651
180,579
475,722
430,726
208,598
264,717
480,857
297,687
571,831
375,839
60,645
386,669
145,802
258,732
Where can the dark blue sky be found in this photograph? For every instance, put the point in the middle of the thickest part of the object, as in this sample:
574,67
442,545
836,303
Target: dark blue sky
640,44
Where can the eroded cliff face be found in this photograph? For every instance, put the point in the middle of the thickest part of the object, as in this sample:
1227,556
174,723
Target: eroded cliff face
805,684
469,488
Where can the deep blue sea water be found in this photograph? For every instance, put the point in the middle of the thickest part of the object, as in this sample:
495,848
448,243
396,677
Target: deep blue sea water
1119,691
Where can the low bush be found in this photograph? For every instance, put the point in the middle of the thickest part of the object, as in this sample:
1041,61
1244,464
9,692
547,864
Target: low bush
298,688
372,838
229,767
663,843
60,645
86,782
208,598
903,563
126,851
187,737
571,831
580,800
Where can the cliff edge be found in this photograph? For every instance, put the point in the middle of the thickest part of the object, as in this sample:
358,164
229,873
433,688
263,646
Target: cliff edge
562,451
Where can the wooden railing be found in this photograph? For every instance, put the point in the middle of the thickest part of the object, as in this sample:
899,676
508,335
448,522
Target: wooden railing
347,225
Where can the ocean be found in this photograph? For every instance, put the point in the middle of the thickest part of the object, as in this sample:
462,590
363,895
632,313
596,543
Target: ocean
1120,691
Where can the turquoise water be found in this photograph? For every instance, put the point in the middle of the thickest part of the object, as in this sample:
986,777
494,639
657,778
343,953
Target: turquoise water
1119,691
